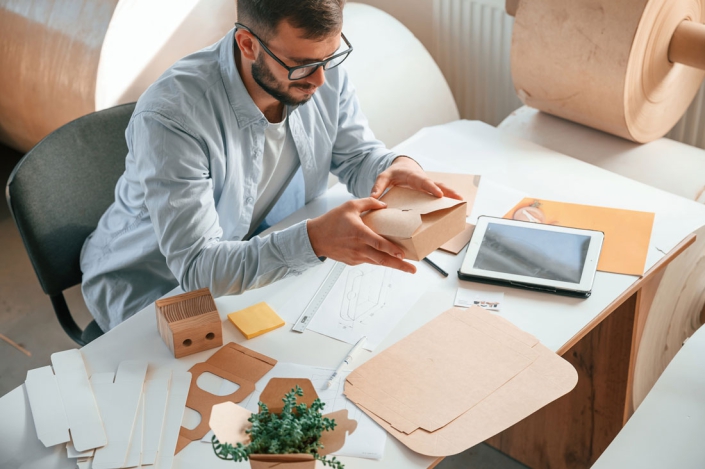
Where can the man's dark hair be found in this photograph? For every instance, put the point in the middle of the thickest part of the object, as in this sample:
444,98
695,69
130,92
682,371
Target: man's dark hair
318,18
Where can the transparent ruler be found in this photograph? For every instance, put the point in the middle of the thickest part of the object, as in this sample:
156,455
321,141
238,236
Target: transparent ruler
314,305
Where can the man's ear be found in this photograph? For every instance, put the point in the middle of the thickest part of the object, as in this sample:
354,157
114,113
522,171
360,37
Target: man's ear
246,44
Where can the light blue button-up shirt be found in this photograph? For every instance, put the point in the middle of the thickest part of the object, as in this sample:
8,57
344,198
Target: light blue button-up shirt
186,199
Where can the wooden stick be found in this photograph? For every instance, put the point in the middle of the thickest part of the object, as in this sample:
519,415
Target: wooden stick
16,345
688,45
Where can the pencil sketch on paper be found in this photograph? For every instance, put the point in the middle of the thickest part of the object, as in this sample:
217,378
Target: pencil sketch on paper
367,300
366,293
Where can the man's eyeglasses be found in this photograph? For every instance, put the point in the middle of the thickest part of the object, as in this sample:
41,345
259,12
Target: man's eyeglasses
303,71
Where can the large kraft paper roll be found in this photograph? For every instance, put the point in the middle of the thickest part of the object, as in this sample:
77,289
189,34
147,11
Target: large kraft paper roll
49,53
605,63
61,59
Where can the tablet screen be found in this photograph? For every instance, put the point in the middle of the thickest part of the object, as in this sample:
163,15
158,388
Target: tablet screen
533,252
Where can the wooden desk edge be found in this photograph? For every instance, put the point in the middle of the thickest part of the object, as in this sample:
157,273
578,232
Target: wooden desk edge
660,265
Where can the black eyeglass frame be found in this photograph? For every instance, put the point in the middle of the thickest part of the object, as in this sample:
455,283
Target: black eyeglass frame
313,65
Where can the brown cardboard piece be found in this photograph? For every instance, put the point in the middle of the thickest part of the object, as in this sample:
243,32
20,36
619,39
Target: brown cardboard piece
417,222
229,422
460,379
456,244
233,362
464,184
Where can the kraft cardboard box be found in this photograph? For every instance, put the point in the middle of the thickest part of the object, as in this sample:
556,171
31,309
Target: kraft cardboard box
417,222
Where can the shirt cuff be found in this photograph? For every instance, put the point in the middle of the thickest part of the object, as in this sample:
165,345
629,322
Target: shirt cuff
295,247
406,156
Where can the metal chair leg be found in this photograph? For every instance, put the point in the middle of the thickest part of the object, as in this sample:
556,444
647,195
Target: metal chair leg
65,319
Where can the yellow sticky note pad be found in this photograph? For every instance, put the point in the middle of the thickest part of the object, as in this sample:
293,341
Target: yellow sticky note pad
256,320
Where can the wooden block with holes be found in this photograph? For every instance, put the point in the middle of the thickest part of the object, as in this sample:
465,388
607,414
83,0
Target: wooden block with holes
189,323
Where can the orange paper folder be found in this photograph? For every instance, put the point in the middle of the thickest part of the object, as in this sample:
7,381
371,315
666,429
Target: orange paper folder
627,232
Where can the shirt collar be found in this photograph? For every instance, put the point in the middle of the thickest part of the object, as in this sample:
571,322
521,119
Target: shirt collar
246,111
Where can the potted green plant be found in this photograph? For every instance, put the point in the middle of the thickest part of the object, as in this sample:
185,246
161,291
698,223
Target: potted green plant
285,437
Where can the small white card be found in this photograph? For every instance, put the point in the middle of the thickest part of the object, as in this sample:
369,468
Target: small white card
491,301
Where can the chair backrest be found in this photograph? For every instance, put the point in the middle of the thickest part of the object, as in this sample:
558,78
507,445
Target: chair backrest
61,188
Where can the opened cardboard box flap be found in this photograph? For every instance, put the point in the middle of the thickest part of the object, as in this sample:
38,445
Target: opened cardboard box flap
229,420
418,222
458,380
233,362
464,184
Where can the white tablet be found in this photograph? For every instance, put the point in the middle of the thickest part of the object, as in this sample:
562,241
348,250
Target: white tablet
529,255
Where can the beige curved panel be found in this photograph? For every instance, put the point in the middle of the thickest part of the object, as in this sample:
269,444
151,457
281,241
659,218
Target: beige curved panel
60,60
400,87
677,311
605,64
49,53
146,37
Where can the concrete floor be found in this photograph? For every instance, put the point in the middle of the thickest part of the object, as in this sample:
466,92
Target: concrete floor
27,317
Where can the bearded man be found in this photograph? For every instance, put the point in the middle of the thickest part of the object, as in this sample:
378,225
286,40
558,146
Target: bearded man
229,141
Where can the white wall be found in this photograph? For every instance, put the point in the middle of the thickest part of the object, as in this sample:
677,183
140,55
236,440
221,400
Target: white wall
418,15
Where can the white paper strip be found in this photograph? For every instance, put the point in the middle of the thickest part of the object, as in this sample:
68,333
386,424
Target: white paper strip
85,464
79,402
156,394
73,454
178,392
118,402
135,450
47,408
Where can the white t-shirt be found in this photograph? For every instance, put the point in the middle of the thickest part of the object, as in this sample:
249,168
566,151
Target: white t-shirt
279,162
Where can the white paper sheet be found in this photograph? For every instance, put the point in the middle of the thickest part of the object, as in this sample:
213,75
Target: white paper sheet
178,392
494,200
369,300
84,419
491,301
47,407
368,439
118,397
71,452
135,450
156,395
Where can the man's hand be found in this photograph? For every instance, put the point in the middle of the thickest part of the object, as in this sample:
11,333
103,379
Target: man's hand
406,172
341,235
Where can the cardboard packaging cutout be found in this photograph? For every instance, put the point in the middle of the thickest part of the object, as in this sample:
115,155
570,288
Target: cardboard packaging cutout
229,423
189,323
419,223
460,379
233,362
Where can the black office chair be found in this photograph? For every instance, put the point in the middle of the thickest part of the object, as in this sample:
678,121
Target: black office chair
58,192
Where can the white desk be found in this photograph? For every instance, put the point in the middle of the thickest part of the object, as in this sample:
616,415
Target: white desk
559,322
